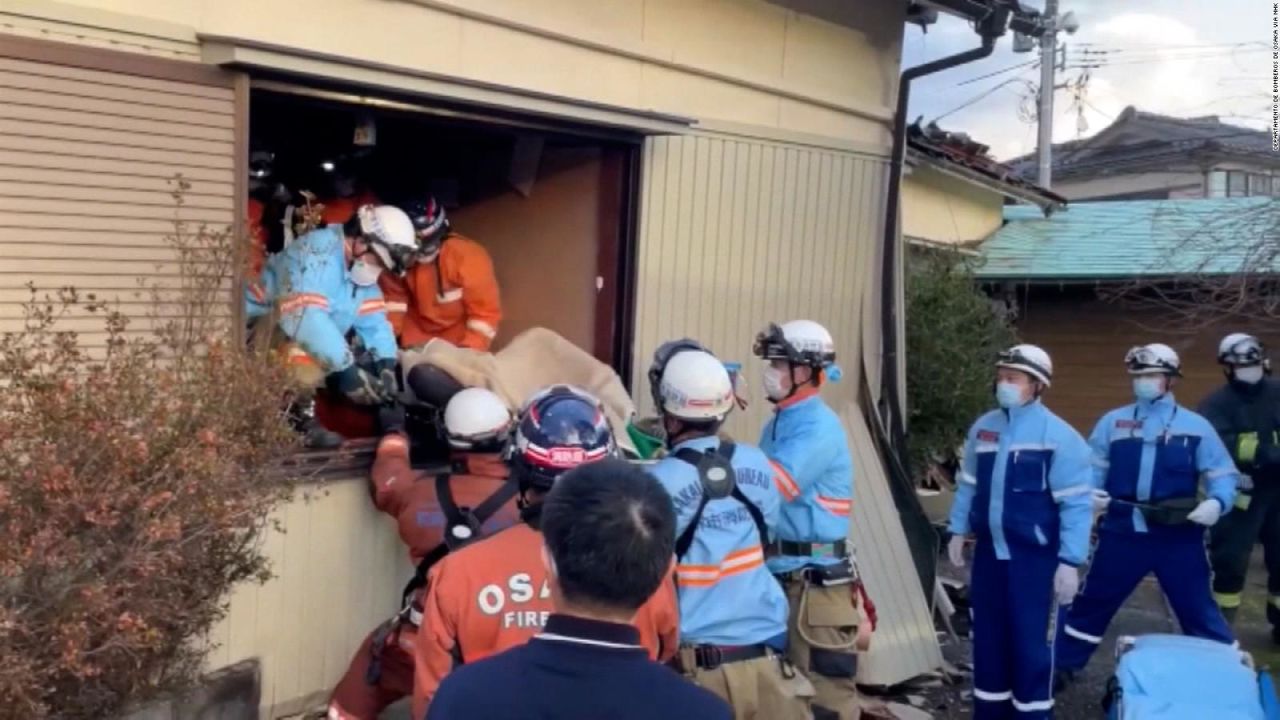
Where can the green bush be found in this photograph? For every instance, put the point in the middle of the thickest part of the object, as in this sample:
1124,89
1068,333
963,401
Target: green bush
953,336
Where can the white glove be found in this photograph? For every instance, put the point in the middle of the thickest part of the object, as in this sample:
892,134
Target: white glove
955,550
1101,499
1066,583
1206,513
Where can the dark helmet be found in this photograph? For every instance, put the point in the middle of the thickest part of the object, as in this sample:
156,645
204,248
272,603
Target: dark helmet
559,429
429,223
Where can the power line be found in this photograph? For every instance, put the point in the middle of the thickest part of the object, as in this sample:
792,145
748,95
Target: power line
978,97
999,72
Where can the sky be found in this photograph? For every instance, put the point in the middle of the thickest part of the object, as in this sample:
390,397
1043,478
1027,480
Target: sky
1178,57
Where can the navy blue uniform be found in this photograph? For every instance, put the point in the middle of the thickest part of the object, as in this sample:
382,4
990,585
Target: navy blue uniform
577,669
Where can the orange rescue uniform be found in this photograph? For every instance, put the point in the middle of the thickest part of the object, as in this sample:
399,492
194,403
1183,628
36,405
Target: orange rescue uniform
409,496
454,298
257,238
492,596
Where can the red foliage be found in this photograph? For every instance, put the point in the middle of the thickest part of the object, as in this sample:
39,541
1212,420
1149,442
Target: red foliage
134,482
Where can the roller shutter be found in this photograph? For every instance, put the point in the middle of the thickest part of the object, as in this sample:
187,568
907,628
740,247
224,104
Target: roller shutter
90,144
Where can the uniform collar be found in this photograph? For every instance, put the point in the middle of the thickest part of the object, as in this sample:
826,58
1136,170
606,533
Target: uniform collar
801,397
1016,413
705,442
575,630
482,464
1162,405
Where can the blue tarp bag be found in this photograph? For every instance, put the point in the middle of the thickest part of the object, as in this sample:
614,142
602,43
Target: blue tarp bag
1175,677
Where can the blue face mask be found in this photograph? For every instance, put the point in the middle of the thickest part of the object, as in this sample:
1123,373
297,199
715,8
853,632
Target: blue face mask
1147,388
1008,395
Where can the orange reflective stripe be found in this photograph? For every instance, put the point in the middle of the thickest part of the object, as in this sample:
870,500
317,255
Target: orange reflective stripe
369,307
258,292
304,300
836,506
785,484
298,356
735,563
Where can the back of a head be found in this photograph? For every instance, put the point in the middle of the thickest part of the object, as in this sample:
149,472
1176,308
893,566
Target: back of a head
610,529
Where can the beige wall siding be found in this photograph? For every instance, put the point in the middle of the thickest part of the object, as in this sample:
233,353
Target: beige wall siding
734,234
828,71
338,567
86,160
944,209
1128,182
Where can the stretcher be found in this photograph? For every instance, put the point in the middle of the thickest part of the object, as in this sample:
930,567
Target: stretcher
1176,677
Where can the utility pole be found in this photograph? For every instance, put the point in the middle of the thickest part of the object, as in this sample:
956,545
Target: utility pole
1048,63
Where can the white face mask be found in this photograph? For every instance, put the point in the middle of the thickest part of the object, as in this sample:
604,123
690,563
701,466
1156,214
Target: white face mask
1147,388
775,383
1251,375
364,274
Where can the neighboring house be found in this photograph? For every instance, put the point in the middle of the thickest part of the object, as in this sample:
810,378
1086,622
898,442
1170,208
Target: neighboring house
954,193
1148,156
1084,282
639,172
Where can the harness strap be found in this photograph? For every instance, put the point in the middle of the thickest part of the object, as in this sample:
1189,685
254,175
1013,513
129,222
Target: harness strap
455,516
691,456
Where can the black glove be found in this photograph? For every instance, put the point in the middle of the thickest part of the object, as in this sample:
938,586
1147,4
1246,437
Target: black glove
386,372
391,418
357,385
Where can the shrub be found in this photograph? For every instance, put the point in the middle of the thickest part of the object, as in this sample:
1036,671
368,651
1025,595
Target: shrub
953,336
135,478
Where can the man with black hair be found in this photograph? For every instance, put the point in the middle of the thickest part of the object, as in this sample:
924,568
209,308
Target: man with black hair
733,614
496,594
608,533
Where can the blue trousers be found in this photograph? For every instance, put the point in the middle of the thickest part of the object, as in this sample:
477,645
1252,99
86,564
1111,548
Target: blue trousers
1015,621
1177,557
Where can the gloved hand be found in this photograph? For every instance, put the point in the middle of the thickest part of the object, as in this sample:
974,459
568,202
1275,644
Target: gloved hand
955,550
391,418
357,385
1101,500
386,372
1066,583
1206,513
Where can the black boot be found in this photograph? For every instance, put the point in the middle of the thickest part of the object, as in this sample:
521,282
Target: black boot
302,416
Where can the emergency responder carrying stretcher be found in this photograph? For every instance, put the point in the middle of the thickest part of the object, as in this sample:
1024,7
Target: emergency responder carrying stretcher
1148,460
733,614
324,285
449,293
1024,491
1246,413
493,595
811,556
435,514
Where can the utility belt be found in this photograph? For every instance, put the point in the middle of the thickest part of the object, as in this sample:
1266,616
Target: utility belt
817,551
841,573
709,657
1170,512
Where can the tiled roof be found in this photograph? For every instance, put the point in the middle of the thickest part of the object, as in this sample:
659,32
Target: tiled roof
1139,238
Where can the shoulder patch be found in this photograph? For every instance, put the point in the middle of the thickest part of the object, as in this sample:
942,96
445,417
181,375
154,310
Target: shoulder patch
988,436
1128,424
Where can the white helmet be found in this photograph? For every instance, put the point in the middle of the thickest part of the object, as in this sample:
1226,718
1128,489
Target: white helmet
477,416
802,342
1030,359
1153,359
695,386
390,234
1241,350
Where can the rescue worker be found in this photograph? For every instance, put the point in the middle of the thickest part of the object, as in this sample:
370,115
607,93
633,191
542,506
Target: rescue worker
494,594
733,614
435,513
1148,460
1024,492
1246,413
811,556
324,285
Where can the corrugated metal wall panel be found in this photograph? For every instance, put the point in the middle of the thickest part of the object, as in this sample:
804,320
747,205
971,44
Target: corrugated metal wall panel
87,160
735,233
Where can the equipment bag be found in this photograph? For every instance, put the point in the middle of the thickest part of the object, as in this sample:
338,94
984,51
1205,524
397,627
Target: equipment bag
1176,677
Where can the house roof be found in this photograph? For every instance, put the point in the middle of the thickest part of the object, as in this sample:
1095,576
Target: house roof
1138,137
961,155
1096,241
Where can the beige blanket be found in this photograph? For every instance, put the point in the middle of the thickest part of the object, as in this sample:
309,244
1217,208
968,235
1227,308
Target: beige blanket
534,359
